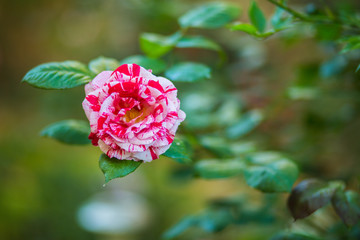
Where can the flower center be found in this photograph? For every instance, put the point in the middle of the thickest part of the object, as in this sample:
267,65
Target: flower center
134,113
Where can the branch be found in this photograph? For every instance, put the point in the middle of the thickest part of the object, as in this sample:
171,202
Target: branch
291,11
313,20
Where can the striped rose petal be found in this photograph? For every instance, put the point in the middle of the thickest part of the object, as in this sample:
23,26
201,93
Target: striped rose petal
133,114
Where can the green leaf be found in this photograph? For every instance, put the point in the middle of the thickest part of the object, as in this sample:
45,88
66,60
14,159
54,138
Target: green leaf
270,172
246,124
293,236
179,151
347,206
156,45
103,64
211,220
310,195
188,72
244,27
358,68
213,168
68,131
58,75
180,227
210,15
257,17
156,65
115,168
280,20
351,43
223,148
198,42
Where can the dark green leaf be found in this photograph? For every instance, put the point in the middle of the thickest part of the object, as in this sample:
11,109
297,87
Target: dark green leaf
270,172
293,236
58,75
68,131
210,220
115,168
223,148
257,17
347,206
217,145
210,15
358,68
180,227
188,72
179,151
213,168
215,220
310,195
156,65
103,64
156,45
246,124
198,42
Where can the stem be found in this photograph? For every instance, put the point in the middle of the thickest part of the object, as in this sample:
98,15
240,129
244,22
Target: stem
291,11
313,20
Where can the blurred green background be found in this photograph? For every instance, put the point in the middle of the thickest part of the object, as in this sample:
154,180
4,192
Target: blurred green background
49,190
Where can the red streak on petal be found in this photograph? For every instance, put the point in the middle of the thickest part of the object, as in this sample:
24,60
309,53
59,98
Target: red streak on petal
123,69
170,139
96,108
94,138
153,154
92,99
101,121
170,90
135,70
156,85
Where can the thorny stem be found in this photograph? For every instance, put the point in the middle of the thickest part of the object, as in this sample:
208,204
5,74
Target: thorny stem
313,20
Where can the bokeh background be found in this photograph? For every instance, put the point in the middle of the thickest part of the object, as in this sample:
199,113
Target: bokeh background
53,191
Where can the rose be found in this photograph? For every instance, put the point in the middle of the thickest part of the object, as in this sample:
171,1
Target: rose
133,114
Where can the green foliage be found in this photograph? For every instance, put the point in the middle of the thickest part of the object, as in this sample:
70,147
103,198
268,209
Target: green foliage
210,15
245,124
257,17
198,42
213,168
68,131
224,148
293,236
115,168
220,214
156,65
270,172
250,29
212,220
156,45
244,27
103,64
350,43
215,124
280,19
188,72
179,151
58,75
347,206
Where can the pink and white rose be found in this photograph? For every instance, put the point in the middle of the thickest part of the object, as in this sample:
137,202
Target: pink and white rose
133,114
